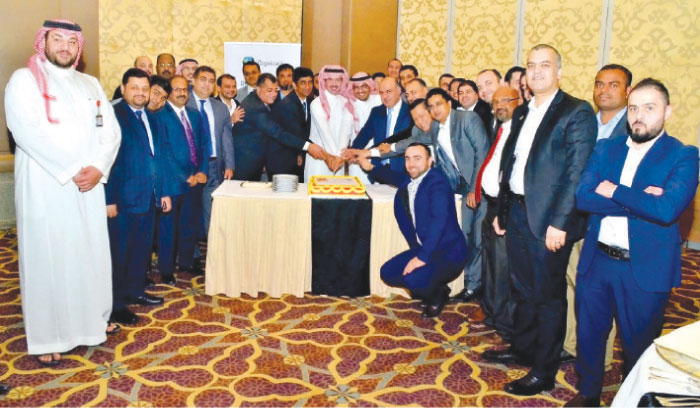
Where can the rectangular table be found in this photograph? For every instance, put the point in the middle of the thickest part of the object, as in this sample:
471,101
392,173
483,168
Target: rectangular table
260,241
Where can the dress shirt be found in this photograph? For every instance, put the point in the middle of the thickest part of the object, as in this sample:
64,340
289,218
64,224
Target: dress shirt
178,112
525,139
231,108
604,130
445,140
489,180
613,229
144,119
210,117
412,189
374,152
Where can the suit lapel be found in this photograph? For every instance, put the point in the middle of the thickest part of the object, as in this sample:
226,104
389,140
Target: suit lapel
655,155
545,127
618,155
403,195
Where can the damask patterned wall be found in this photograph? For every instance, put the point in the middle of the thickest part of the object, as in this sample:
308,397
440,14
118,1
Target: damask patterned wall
573,28
484,34
423,36
188,28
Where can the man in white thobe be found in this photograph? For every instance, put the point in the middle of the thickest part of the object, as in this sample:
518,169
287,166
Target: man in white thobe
67,139
332,117
366,97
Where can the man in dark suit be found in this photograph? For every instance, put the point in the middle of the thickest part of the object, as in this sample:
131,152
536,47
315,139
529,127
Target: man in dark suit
134,189
385,120
216,122
293,115
252,136
468,94
425,211
550,140
635,190
611,87
184,148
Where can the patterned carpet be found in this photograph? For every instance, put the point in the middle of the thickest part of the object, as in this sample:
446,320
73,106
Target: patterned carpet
203,351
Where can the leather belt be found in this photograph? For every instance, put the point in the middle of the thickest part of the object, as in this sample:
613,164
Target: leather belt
615,253
518,198
489,199
212,158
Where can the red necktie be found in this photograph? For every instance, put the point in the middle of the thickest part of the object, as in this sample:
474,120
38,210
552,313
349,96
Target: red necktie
477,191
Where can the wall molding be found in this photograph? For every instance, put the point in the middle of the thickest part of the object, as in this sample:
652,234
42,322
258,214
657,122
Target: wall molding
519,32
398,29
606,24
450,35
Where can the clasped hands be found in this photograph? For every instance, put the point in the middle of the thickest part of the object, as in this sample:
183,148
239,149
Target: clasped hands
87,178
333,162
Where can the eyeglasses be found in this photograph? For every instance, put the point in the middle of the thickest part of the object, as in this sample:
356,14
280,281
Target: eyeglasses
504,101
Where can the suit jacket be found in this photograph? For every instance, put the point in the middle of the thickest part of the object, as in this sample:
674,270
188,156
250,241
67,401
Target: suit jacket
654,236
620,129
485,112
242,93
436,215
251,137
562,144
470,144
137,174
222,133
289,114
176,151
375,130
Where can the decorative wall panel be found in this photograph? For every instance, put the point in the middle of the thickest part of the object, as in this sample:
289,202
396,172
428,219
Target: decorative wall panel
484,36
423,36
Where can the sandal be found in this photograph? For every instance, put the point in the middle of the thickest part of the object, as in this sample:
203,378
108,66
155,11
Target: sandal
49,363
114,330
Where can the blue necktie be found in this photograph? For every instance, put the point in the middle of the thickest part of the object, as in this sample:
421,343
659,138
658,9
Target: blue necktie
207,129
143,125
388,131
448,169
306,114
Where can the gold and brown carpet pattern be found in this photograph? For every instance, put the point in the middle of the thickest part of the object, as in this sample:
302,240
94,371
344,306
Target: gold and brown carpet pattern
197,350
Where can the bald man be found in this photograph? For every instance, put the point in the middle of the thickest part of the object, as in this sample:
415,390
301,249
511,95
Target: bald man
385,120
142,62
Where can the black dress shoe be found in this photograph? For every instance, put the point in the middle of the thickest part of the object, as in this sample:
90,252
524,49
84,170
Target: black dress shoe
529,385
580,401
4,389
432,311
565,356
167,279
148,300
124,317
505,356
468,295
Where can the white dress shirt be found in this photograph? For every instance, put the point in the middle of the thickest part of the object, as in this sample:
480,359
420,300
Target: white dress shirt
144,119
489,180
525,138
210,116
445,141
412,189
179,111
614,229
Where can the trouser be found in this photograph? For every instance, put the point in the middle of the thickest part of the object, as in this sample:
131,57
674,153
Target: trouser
130,237
608,289
539,290
214,179
427,283
496,299
570,337
177,230
471,227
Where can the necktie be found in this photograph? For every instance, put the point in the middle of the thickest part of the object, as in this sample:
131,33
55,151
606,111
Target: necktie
190,138
143,125
447,167
388,122
306,114
477,190
207,129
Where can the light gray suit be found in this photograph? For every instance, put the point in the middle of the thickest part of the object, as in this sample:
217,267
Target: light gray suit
470,145
242,93
224,153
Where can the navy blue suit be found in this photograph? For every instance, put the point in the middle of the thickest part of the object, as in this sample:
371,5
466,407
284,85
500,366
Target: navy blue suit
374,131
252,136
177,230
289,114
442,245
136,183
635,291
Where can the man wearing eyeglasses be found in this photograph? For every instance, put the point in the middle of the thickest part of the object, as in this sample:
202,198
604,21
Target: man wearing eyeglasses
165,66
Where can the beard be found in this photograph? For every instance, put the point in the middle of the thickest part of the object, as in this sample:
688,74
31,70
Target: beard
641,137
286,87
52,58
